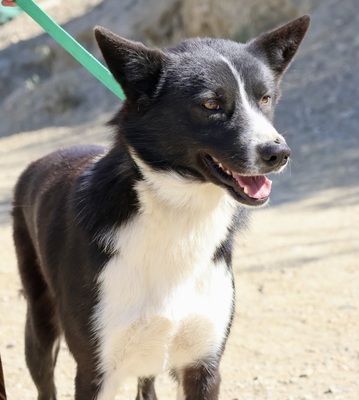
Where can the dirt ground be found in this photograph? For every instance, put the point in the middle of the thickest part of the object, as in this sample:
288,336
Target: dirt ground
296,329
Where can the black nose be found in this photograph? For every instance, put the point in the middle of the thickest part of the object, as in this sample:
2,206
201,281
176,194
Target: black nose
274,154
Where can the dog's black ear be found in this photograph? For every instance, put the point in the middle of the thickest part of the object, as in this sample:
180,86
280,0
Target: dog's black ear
280,45
136,67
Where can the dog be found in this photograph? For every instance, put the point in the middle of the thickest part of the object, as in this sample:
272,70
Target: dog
127,251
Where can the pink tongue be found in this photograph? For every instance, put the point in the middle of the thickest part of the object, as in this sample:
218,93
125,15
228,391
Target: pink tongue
258,187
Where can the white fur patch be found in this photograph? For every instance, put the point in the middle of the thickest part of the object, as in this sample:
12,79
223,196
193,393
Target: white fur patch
261,129
180,393
164,303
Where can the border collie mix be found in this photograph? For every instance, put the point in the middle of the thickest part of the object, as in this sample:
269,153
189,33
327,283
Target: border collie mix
127,251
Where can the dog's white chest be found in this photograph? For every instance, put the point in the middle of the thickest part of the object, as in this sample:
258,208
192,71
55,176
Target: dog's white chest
155,331
164,302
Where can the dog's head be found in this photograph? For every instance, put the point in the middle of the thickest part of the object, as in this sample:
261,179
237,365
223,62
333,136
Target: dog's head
203,109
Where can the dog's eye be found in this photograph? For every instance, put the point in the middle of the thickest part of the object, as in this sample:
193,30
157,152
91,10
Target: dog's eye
211,105
265,100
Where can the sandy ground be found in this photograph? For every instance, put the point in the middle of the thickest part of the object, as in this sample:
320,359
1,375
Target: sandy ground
296,329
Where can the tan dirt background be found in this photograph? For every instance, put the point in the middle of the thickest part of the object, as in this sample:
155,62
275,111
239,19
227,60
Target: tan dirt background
296,328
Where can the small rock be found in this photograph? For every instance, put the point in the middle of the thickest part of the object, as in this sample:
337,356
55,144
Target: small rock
308,372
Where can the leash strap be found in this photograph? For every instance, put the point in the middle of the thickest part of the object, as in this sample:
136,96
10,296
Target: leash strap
65,40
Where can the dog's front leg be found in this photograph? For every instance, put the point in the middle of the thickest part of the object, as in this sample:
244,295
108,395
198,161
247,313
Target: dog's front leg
199,382
87,384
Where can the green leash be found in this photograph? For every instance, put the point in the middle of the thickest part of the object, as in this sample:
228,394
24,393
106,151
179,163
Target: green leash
86,59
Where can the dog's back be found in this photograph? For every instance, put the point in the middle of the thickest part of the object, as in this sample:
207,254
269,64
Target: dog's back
128,251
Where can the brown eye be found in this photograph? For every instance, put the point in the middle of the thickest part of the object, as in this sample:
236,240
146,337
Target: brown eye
265,100
211,105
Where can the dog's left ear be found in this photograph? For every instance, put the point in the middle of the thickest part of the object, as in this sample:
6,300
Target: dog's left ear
136,67
279,46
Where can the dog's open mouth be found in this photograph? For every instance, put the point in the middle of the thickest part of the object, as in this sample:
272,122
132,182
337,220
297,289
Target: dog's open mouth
249,190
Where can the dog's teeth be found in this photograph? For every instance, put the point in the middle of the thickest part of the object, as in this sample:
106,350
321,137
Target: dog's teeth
222,167
245,190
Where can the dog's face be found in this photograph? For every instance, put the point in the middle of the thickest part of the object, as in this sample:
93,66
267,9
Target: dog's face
204,108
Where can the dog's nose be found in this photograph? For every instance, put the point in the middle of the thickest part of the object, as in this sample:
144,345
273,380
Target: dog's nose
274,154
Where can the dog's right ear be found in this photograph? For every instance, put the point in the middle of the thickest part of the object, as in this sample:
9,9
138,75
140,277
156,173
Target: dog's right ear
279,46
136,67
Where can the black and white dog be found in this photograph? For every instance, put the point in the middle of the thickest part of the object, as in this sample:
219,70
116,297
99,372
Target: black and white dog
127,251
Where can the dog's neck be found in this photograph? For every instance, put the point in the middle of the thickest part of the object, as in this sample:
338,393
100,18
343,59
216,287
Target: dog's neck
187,221
165,195
177,193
